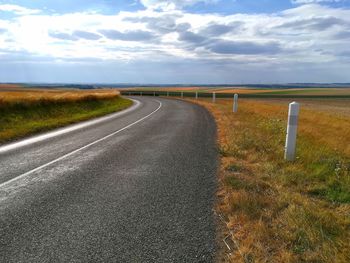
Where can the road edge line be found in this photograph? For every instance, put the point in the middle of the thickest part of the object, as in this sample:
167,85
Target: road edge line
80,149
60,131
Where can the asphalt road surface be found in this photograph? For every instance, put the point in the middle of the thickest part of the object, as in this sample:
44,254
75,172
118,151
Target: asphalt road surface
138,186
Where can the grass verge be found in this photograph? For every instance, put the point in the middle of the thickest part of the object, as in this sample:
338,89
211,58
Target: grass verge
26,113
277,211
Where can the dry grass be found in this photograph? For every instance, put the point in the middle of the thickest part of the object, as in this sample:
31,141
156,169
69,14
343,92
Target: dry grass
9,86
245,91
296,91
325,127
254,91
171,89
183,89
24,112
333,107
313,91
278,211
34,95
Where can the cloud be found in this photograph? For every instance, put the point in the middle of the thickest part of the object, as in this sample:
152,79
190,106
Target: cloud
191,37
244,47
220,29
63,36
314,1
342,35
86,35
310,35
18,10
75,35
314,23
23,56
172,4
137,35
344,54
162,24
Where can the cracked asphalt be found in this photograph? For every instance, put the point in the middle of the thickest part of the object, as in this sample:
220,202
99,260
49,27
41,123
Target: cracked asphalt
145,194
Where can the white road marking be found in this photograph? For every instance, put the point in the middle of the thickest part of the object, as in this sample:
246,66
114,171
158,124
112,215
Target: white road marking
80,149
61,131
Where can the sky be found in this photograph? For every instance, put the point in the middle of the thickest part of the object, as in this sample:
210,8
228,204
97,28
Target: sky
175,42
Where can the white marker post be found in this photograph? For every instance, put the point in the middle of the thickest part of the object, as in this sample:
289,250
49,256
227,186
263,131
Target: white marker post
235,103
141,93
292,129
214,97
167,93
154,93
196,95
182,95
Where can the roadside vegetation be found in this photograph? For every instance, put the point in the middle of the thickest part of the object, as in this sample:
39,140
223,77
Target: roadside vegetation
25,112
282,91
278,211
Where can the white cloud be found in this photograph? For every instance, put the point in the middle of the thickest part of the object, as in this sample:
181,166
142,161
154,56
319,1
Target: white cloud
314,1
18,10
172,4
310,35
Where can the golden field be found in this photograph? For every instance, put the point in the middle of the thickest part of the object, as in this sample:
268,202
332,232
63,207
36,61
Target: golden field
32,95
29,111
326,122
282,91
294,91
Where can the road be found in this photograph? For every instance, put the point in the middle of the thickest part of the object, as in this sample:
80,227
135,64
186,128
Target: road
138,186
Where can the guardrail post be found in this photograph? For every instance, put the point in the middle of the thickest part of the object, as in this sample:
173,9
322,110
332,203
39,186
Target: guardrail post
214,97
292,128
196,95
182,95
141,93
167,93
235,103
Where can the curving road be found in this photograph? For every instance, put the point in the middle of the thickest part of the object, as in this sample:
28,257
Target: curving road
136,186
